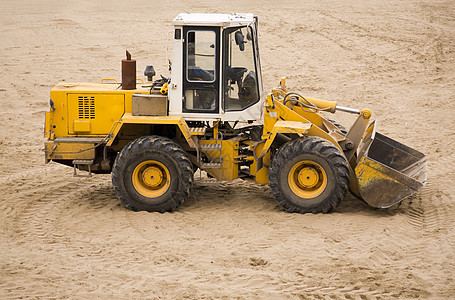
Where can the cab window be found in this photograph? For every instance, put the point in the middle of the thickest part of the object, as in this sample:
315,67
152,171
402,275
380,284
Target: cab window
201,56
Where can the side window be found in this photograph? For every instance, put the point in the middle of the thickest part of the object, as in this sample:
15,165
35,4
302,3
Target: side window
200,99
201,56
240,84
201,72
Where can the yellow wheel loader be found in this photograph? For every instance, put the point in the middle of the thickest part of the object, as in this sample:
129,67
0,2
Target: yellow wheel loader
211,114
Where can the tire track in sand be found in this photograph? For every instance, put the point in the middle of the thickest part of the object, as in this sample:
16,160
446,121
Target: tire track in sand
431,215
431,211
22,189
37,218
52,223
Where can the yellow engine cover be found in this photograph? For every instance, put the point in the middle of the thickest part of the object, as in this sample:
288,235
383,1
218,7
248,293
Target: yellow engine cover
93,114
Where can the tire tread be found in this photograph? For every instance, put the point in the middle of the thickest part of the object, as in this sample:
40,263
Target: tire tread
173,150
318,147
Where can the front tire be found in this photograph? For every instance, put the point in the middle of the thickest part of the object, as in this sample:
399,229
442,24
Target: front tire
338,125
309,174
152,173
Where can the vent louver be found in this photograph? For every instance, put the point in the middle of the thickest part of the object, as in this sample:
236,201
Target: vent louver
86,107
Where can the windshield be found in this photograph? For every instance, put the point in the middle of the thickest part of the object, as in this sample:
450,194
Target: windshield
240,84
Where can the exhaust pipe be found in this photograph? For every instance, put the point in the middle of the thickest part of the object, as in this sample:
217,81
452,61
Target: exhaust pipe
128,73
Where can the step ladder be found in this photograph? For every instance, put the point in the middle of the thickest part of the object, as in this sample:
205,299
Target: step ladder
197,130
214,163
86,162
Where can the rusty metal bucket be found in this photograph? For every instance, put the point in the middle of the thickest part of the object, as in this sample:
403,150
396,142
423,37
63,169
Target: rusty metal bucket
387,171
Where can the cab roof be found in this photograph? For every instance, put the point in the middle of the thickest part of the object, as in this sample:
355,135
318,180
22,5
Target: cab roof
222,20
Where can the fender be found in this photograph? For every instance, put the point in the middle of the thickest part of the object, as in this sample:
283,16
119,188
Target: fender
280,118
128,118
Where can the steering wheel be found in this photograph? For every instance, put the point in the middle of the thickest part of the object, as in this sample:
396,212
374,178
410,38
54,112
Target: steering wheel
235,73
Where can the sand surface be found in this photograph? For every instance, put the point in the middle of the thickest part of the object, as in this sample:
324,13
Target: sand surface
65,237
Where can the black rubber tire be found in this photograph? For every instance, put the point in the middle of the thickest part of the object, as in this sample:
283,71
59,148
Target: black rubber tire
327,156
164,151
339,126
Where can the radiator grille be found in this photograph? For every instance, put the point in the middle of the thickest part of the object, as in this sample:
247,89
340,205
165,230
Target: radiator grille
86,107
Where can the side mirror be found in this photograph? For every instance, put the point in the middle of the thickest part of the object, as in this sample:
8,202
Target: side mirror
239,40
248,36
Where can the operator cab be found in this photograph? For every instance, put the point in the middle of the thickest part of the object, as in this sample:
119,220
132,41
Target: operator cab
216,72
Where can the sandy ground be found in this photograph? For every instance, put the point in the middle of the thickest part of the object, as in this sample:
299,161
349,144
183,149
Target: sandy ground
65,237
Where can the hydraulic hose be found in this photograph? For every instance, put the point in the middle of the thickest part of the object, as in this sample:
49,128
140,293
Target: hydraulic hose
308,106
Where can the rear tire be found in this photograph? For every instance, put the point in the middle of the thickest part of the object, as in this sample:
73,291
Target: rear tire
152,173
308,175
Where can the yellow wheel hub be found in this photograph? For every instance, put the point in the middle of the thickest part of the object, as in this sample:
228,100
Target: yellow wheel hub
307,179
151,179
152,176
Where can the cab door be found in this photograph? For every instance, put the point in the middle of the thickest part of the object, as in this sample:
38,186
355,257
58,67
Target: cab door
201,74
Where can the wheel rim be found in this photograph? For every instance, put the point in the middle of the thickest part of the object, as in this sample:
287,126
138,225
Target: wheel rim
151,179
307,179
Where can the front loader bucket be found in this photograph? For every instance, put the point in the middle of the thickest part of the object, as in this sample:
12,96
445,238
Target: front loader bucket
388,171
